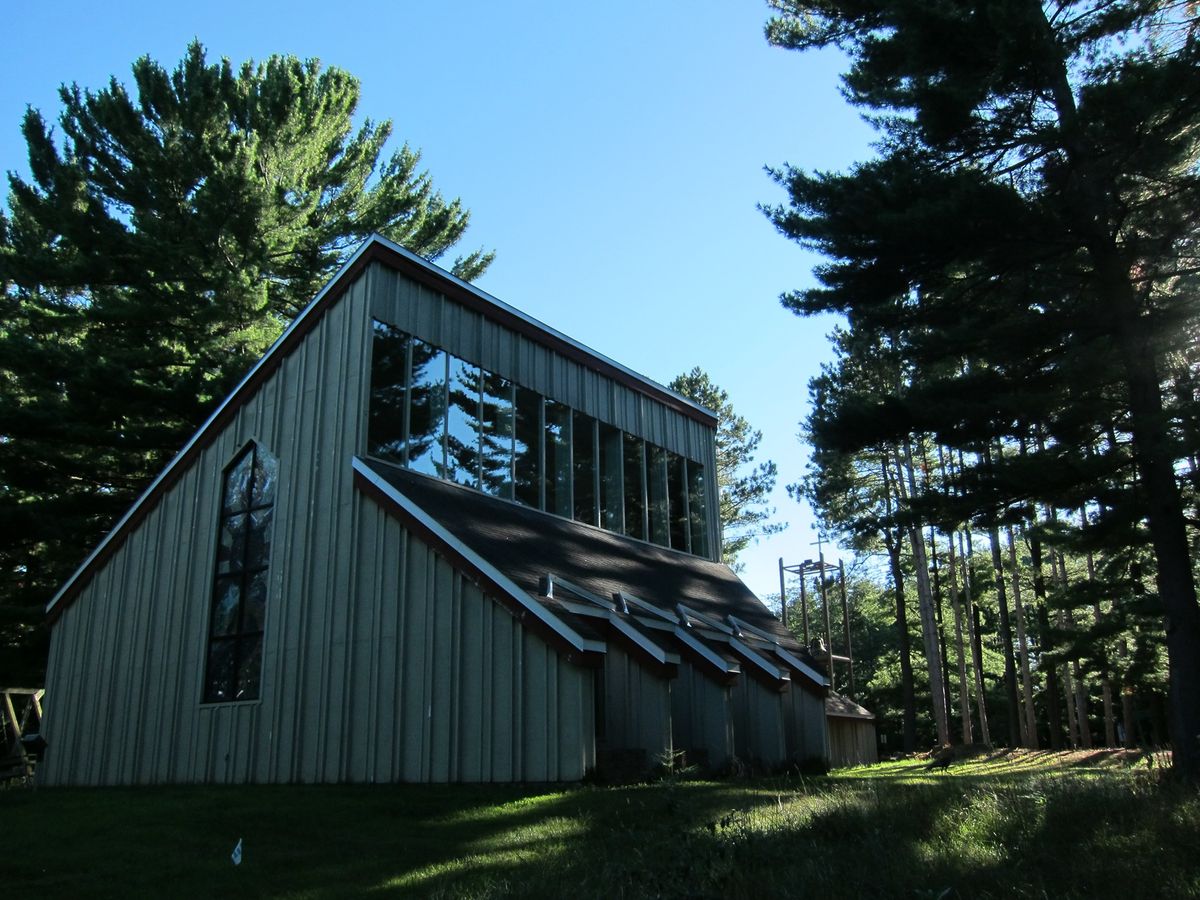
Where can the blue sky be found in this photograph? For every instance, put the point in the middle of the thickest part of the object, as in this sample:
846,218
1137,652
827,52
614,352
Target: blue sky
611,154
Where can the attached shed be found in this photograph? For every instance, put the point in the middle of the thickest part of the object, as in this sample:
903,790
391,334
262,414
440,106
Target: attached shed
428,538
852,740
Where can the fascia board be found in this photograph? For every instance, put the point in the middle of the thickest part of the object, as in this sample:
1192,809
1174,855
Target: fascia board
498,578
582,609
800,665
314,307
707,621
556,581
656,652
653,624
631,600
762,662
701,650
743,625
789,658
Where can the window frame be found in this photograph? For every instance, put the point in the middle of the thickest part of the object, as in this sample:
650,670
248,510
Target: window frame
244,575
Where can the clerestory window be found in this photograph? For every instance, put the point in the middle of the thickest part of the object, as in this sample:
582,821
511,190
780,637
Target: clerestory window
445,416
233,669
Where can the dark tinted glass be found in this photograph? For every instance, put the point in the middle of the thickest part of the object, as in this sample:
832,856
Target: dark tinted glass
677,501
558,459
497,443
427,410
219,682
389,392
228,595
611,460
258,538
266,473
656,493
237,484
231,551
697,509
635,503
583,467
255,607
249,667
527,447
463,425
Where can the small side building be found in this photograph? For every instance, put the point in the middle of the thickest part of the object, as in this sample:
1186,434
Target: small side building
427,539
852,738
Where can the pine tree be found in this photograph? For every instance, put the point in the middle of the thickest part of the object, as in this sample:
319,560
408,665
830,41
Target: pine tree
1034,206
744,485
166,236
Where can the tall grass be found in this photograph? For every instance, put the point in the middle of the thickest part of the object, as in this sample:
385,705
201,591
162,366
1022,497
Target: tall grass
865,833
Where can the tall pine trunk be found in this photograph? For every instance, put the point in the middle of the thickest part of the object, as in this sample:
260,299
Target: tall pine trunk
973,638
933,656
1053,711
892,541
1029,735
1010,664
1149,426
964,690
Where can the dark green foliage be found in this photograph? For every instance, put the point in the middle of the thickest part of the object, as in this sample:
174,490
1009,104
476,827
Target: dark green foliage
1025,245
744,486
168,233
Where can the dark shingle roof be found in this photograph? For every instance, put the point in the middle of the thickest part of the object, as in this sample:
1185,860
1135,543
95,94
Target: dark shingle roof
526,545
844,708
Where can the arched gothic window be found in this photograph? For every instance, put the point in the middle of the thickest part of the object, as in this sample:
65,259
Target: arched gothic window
235,634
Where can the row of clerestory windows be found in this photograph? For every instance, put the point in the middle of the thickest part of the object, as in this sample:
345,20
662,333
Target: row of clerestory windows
444,416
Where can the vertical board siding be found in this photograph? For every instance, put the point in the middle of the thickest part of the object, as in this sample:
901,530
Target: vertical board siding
637,707
804,725
381,662
758,728
701,717
852,742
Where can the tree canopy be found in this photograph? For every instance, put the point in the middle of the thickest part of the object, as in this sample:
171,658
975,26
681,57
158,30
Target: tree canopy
744,485
166,235
1026,242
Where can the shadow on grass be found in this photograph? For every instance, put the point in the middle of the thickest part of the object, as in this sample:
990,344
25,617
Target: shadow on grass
946,836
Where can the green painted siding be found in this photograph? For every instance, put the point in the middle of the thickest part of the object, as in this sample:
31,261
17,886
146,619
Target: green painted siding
381,663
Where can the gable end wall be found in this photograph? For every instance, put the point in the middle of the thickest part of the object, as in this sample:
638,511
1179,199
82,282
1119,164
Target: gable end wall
380,663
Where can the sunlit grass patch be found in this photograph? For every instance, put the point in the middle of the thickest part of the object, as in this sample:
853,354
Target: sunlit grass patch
1000,825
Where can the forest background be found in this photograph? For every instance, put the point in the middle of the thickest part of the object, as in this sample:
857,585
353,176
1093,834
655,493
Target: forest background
978,435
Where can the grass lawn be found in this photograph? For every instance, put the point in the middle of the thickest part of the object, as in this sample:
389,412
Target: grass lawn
1005,825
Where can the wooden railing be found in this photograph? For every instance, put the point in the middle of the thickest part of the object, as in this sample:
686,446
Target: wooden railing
21,713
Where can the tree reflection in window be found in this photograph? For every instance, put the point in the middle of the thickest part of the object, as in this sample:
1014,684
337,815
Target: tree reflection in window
697,509
427,410
583,466
558,458
389,393
448,417
611,462
233,669
635,487
463,423
656,494
496,446
677,501
527,453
